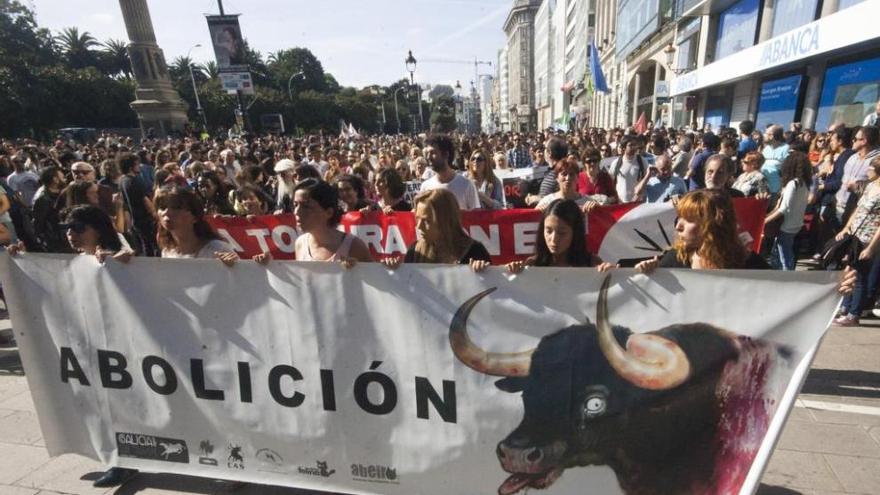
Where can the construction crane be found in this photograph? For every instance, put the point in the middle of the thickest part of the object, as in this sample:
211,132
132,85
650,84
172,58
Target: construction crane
475,62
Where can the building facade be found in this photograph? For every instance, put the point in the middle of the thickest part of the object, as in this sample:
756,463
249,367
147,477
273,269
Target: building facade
503,110
544,33
776,61
519,28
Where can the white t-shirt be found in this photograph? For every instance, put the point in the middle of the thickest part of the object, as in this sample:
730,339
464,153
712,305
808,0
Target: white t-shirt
463,189
207,250
626,179
793,205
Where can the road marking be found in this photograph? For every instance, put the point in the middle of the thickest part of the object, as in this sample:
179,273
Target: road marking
838,407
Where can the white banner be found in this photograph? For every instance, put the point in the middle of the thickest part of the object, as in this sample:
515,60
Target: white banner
377,381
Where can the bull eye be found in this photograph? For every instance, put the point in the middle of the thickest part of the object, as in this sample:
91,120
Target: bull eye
594,406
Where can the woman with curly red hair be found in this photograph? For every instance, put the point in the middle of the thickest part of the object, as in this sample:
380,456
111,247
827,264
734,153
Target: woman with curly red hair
706,236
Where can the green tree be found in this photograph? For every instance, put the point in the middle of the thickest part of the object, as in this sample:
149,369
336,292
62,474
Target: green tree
77,47
210,69
443,115
286,63
114,58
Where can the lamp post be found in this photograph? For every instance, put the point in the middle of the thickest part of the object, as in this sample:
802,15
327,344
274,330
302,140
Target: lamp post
396,111
379,92
669,51
192,78
411,67
289,82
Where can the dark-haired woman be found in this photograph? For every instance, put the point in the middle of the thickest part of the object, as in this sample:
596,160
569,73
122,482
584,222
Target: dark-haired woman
316,207
864,224
183,231
797,176
562,242
352,193
213,192
390,189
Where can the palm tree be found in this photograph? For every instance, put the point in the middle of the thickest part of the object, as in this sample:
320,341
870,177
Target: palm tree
180,67
210,69
77,47
115,55
275,57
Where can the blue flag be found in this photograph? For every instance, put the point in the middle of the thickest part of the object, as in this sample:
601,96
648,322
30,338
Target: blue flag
597,77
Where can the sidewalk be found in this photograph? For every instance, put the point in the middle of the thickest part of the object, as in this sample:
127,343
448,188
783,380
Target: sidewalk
830,445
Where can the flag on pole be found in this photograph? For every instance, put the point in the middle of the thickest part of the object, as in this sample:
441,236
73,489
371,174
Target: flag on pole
641,124
597,78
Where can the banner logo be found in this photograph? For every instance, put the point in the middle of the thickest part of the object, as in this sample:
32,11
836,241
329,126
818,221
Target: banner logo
149,447
375,474
206,448
269,456
234,458
321,470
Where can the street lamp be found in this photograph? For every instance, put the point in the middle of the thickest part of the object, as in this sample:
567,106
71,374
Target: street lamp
379,92
192,78
289,81
411,67
396,111
669,51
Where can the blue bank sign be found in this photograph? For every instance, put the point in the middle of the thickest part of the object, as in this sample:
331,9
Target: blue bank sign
793,45
847,27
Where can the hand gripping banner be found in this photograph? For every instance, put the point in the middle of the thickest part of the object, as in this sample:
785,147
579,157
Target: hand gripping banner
424,380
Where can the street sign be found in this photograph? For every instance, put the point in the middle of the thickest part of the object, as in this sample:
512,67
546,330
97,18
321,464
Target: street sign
661,89
234,82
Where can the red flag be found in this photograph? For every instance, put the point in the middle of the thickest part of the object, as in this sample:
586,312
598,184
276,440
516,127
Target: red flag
641,124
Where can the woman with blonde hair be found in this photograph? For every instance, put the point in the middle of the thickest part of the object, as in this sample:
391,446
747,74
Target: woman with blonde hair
490,189
442,237
500,160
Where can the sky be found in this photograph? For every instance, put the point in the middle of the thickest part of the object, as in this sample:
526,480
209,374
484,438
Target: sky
360,42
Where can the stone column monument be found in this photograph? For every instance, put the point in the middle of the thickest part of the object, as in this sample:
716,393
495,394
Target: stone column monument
159,108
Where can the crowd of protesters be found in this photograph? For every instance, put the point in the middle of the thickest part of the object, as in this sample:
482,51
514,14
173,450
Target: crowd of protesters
119,198
805,176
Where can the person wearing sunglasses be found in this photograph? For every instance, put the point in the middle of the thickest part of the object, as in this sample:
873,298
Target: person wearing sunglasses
89,231
595,181
490,189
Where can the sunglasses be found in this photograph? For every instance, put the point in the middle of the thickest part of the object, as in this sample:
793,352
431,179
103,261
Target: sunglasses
479,158
76,227
592,160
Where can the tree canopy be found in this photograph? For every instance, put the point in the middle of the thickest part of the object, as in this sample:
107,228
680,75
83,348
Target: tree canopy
72,79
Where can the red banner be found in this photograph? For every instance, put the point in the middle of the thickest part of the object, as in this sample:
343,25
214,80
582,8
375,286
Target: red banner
624,232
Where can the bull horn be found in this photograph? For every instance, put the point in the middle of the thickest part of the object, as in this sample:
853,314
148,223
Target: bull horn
650,361
490,363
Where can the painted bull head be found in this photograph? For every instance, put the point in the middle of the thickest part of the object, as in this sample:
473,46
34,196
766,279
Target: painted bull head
604,395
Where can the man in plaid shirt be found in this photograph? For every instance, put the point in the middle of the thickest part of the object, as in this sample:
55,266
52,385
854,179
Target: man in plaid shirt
518,156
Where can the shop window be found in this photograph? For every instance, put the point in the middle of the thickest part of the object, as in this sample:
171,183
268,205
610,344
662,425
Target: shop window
687,53
792,14
736,28
718,105
849,94
778,102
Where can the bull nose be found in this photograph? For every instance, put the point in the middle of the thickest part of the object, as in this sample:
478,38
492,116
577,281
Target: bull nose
531,455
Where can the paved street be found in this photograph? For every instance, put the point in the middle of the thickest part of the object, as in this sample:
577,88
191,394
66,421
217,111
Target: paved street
831,444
